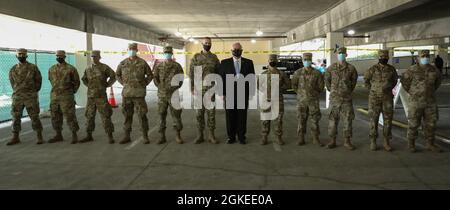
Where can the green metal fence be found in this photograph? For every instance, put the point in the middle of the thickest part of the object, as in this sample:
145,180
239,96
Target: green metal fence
44,60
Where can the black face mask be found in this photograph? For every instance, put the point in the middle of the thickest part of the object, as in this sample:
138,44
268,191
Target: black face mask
22,59
273,64
207,48
237,53
60,60
384,61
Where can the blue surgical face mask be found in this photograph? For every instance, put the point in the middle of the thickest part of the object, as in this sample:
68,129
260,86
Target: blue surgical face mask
307,63
424,61
167,56
132,53
341,57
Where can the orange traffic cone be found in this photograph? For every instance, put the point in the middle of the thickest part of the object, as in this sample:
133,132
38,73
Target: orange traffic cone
112,99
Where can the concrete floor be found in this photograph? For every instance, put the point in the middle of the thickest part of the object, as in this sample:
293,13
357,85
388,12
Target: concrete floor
217,167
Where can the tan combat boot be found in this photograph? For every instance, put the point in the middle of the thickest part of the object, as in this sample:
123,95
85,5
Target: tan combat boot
57,138
332,143
348,144
432,147
387,145
15,139
301,140
178,138
111,138
126,139
212,137
264,140
280,140
40,138
74,138
373,144
162,139
88,138
200,139
145,137
316,141
412,145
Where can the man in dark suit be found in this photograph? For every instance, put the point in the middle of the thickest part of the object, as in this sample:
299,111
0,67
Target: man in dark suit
232,70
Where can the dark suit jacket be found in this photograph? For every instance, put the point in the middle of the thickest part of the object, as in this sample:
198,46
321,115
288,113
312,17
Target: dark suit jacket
247,67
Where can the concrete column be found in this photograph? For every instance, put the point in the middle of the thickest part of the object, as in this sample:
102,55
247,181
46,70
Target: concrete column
82,62
333,39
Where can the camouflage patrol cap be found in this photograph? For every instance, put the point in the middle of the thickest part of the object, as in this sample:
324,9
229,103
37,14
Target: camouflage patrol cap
60,53
273,57
132,45
96,53
168,49
424,53
342,50
22,50
307,56
383,53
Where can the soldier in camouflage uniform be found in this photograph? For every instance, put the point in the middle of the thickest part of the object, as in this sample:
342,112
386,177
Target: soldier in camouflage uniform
210,65
164,73
135,75
308,83
340,80
380,79
26,81
421,82
65,83
284,84
97,78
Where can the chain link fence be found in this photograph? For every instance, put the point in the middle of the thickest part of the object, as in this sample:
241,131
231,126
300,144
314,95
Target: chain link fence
44,60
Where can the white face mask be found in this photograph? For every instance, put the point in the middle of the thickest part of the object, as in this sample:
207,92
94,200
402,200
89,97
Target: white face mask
307,63
132,53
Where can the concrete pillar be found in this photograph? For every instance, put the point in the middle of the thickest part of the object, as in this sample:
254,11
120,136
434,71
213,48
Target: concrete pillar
82,62
333,39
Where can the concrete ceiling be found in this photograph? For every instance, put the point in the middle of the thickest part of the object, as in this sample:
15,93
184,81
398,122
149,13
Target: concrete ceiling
221,18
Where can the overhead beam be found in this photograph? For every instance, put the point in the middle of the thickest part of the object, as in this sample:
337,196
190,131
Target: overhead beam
62,15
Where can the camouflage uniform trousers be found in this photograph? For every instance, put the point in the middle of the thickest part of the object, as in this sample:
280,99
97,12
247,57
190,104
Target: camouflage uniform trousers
33,110
376,107
266,124
308,110
429,114
104,108
129,105
341,111
64,107
163,106
211,114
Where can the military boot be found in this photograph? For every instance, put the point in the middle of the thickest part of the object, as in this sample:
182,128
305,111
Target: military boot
40,138
74,138
301,140
316,141
57,138
348,144
412,146
212,137
111,138
264,140
280,140
200,139
88,138
432,147
145,136
387,145
178,138
162,139
126,139
15,139
332,143
373,144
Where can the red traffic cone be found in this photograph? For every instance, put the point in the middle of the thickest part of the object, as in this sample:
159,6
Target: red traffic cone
112,99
